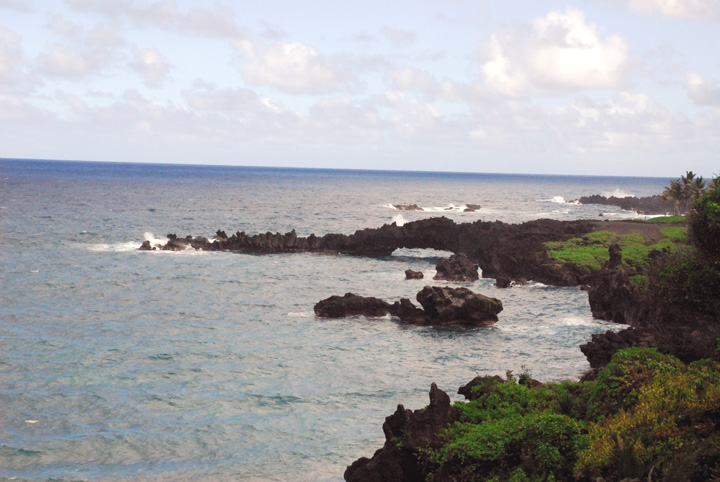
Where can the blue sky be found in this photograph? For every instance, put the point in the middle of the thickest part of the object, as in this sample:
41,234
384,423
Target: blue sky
616,87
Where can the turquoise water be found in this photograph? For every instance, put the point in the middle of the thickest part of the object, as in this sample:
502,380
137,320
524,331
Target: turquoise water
121,364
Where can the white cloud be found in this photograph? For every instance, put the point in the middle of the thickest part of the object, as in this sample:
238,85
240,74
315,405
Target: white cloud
77,53
692,9
11,58
411,79
217,23
702,91
291,67
558,52
151,65
402,38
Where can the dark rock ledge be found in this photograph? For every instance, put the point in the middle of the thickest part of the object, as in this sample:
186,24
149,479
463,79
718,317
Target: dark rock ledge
499,249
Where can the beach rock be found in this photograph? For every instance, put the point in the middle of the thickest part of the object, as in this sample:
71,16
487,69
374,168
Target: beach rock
410,274
457,267
471,208
146,246
406,432
351,305
458,306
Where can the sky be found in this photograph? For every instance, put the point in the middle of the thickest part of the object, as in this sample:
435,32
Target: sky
597,87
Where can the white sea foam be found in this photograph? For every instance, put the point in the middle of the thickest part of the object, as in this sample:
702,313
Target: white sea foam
130,245
301,314
617,193
399,220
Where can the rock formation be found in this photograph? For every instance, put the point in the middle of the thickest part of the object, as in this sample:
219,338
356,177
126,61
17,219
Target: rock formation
440,306
406,431
457,267
410,274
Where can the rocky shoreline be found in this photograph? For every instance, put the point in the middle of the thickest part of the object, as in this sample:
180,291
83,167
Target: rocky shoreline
624,289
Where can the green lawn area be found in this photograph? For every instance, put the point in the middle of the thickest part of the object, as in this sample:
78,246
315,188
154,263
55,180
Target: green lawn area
591,250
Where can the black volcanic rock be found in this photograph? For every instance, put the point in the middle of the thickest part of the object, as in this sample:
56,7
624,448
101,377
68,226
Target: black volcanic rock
641,205
410,274
407,207
441,306
406,432
457,267
458,306
351,305
602,346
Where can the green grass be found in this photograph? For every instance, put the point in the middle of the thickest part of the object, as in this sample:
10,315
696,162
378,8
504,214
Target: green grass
591,250
667,219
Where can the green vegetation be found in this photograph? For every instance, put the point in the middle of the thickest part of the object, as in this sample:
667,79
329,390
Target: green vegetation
666,219
644,412
591,250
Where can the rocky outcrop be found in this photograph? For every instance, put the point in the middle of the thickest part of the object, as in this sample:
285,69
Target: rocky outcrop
406,432
457,267
410,274
514,250
458,306
641,205
603,345
440,306
471,208
351,305
407,207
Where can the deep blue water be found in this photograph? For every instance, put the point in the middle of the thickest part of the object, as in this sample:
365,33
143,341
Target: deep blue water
121,364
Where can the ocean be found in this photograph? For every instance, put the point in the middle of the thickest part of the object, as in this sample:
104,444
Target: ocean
119,364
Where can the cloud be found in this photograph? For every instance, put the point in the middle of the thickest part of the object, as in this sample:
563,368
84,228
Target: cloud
558,52
702,91
11,58
402,38
217,23
77,53
690,9
291,67
410,79
151,65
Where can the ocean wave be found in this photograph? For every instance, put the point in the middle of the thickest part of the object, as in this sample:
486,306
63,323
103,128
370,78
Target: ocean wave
456,208
399,220
134,245
560,200
619,193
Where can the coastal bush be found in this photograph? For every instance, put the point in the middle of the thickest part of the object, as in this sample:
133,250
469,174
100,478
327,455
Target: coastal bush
704,223
644,411
655,413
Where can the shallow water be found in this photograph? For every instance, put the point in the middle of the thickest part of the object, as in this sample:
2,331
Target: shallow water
116,363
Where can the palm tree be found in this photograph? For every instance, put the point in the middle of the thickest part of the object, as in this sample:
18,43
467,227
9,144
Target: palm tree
676,193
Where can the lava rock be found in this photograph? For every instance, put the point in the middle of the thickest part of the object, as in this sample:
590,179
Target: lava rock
410,274
457,267
458,306
351,305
